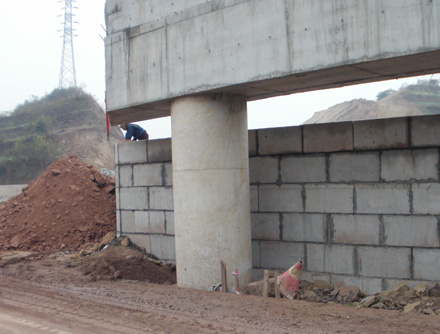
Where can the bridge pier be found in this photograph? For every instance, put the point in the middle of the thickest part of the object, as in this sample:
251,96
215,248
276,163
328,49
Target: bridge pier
211,188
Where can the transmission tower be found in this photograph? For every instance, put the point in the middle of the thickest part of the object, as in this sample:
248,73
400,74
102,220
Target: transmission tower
67,68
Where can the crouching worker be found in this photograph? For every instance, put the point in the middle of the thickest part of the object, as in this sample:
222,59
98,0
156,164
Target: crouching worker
134,132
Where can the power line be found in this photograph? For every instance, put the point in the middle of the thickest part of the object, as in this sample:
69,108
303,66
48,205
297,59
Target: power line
67,68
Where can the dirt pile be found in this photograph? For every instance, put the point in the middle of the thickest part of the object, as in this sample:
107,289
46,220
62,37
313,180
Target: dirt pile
420,299
68,205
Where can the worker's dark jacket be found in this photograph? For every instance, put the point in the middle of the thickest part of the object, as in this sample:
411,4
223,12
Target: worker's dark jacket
136,132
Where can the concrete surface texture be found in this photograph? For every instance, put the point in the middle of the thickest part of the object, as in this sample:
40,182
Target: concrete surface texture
366,215
10,190
211,189
257,48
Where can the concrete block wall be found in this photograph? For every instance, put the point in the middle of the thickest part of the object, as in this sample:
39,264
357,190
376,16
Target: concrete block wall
358,202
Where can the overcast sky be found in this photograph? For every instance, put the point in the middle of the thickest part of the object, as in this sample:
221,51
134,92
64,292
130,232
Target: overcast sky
30,58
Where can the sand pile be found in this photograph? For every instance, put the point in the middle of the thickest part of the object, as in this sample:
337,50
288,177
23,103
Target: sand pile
68,205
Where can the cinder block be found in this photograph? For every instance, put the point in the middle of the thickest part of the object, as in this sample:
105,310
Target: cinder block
141,240
256,261
252,140
161,198
118,221
147,175
425,131
347,167
168,174
311,276
279,140
410,164
142,222
263,170
335,259
367,284
391,283
265,226
329,198
131,152
118,198
284,198
356,229
169,218
280,255
134,198
157,222
127,222
159,150
328,137
384,262
426,198
411,231
382,198
254,198
257,274
427,264
303,169
304,227
163,246
125,175
381,133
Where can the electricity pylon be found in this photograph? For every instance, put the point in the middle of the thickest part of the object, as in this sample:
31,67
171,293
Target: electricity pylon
67,68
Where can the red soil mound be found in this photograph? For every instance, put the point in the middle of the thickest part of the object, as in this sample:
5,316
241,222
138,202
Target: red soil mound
68,205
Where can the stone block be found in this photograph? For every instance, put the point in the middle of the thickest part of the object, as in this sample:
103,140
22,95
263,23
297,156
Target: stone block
163,246
159,150
279,140
169,220
284,198
366,284
157,222
311,276
263,170
404,165
382,198
168,174
252,142
265,226
147,175
141,240
132,152
161,198
257,274
411,231
329,198
425,131
125,175
426,198
254,198
304,227
127,222
427,264
141,222
348,167
356,229
134,198
256,260
381,133
328,137
336,259
384,262
118,221
303,169
280,255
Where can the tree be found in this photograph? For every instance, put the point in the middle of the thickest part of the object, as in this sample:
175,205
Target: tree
384,94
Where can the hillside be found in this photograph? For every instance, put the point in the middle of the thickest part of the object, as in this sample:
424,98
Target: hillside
62,123
414,100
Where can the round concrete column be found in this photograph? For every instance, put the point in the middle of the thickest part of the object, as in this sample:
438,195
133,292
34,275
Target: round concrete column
211,189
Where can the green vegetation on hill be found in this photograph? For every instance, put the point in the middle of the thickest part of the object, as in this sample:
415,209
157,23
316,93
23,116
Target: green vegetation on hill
27,141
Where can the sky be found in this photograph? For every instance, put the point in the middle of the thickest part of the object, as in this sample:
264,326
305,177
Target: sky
30,59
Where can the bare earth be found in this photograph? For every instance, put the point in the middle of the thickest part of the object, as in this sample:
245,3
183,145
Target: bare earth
51,294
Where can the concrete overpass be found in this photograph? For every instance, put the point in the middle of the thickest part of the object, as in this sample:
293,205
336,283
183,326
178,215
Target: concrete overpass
201,60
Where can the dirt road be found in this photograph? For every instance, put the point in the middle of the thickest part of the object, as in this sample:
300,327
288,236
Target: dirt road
42,296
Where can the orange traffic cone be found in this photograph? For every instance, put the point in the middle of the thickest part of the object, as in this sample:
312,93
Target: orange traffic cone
289,280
